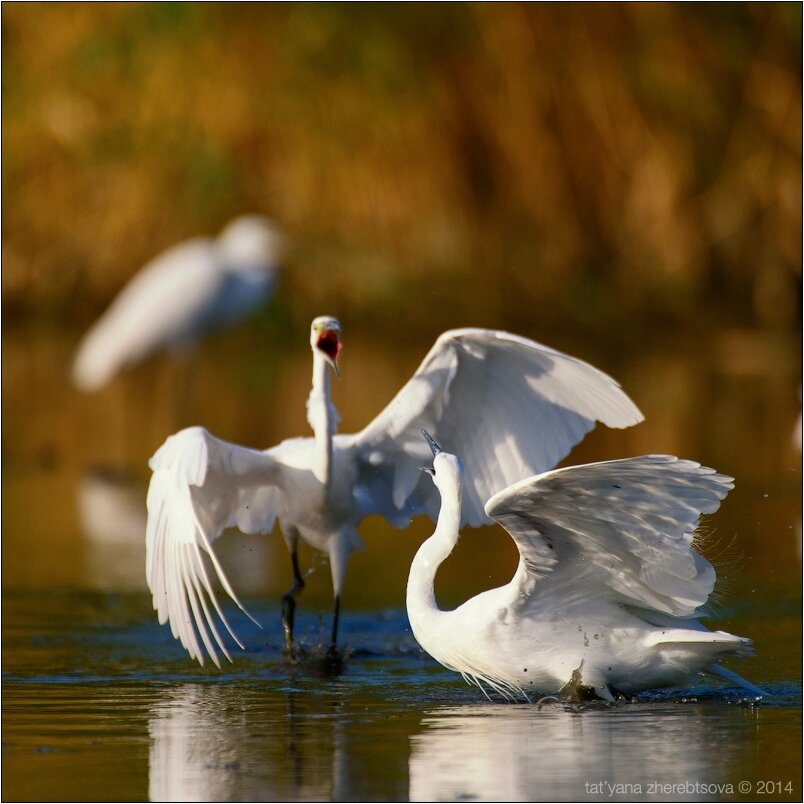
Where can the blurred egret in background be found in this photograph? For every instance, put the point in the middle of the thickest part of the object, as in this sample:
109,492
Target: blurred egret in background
112,513
608,589
196,286
520,406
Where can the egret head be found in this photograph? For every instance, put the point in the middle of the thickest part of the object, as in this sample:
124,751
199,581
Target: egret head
446,468
249,243
325,338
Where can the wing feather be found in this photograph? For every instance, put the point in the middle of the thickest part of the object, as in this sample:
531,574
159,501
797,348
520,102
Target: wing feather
160,306
512,407
199,485
617,529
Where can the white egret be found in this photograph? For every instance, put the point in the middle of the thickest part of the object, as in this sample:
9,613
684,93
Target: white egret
195,286
523,406
608,589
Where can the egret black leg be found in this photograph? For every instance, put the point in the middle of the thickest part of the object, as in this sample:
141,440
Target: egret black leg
289,603
335,617
333,662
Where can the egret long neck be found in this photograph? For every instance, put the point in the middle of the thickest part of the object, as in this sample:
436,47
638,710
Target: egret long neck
323,418
423,610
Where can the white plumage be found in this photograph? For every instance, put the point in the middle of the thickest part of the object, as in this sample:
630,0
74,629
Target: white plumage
608,589
521,406
193,287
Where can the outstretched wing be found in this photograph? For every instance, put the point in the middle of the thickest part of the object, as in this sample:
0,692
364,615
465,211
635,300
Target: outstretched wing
199,486
621,530
510,406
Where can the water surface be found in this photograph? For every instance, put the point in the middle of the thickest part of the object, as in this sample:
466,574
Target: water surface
99,704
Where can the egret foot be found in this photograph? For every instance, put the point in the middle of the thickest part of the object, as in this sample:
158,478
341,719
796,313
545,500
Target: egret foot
319,661
333,662
576,690
288,610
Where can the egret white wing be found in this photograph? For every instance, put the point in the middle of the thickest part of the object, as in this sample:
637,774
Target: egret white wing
511,406
621,530
161,305
199,486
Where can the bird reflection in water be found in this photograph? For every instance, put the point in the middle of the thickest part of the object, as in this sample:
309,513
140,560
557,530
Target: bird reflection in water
111,508
219,744
556,752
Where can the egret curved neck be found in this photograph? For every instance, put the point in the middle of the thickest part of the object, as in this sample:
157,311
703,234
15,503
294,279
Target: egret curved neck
323,418
420,599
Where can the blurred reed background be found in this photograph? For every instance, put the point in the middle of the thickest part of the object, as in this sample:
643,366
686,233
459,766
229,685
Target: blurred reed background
586,165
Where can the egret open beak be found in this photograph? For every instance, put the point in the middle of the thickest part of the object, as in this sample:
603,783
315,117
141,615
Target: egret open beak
329,342
435,449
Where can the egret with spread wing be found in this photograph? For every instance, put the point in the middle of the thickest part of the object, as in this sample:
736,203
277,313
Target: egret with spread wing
523,406
608,589
195,286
